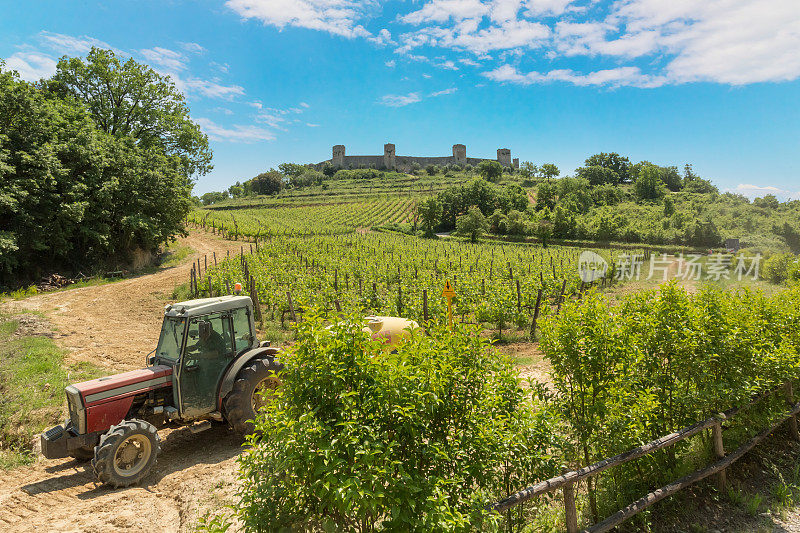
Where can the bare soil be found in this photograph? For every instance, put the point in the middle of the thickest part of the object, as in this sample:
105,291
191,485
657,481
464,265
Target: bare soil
115,326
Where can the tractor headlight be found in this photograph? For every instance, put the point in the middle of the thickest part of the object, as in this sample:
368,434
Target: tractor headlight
77,414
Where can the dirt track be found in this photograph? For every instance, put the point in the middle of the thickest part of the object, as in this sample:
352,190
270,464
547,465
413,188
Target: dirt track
115,326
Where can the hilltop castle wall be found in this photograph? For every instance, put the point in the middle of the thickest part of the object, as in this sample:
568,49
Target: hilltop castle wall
404,163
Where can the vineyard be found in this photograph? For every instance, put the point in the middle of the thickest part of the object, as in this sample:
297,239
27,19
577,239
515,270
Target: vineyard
322,262
281,219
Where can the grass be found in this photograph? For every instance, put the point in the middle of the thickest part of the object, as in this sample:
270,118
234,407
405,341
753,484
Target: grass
174,254
32,381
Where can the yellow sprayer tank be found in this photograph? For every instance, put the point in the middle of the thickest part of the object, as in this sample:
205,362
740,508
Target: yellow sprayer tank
390,329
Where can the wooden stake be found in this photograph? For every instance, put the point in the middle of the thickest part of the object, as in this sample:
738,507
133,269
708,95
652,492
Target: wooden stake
425,304
793,431
536,313
291,306
570,512
719,452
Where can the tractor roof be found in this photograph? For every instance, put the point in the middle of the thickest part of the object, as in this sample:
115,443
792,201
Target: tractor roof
204,306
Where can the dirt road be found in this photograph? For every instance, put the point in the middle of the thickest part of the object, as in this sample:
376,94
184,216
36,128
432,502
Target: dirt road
115,326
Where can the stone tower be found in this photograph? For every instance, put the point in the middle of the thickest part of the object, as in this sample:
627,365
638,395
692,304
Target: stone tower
459,154
338,156
388,156
504,156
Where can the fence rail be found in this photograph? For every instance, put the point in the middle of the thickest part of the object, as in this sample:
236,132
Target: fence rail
567,481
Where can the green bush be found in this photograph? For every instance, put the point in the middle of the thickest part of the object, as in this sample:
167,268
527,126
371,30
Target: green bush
780,268
419,439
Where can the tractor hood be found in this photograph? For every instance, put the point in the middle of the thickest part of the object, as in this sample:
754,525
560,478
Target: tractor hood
126,384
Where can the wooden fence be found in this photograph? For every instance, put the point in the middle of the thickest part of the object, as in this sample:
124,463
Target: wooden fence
567,481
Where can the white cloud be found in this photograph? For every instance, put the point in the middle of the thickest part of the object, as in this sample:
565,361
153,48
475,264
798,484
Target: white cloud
451,90
303,104
427,76
469,36
758,191
234,134
444,10
164,57
391,63
609,77
311,125
213,89
223,110
384,37
733,42
338,17
31,66
71,45
397,100
193,48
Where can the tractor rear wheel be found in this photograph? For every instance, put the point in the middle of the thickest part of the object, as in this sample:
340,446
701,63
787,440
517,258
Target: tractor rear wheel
251,391
126,453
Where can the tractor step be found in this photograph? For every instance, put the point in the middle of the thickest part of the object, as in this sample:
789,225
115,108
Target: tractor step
200,426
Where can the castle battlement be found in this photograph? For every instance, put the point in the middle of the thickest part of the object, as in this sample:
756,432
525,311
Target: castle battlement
404,163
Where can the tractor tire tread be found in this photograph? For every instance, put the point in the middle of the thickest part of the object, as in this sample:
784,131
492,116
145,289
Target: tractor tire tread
103,452
238,410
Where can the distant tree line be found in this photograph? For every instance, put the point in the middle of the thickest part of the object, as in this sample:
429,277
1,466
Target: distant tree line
611,199
94,163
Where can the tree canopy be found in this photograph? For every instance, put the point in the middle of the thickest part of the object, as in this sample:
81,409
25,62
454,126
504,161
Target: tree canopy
132,100
74,194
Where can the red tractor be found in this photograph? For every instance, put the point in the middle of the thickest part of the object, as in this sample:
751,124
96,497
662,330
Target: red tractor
208,365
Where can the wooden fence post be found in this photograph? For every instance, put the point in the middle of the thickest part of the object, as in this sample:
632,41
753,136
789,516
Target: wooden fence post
570,512
792,419
215,258
719,452
425,304
519,300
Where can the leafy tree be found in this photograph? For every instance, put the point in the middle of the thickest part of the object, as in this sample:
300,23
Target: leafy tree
549,170
613,161
649,185
213,197
72,194
132,100
598,175
266,183
544,230
546,195
292,170
528,170
490,170
516,223
472,224
236,191
431,170
429,212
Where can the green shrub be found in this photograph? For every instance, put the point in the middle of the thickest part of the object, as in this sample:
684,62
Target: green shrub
780,268
419,439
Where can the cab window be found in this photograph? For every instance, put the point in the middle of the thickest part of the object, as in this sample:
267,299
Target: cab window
209,337
241,327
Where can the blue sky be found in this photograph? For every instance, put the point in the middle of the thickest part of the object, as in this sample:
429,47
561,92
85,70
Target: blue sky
712,83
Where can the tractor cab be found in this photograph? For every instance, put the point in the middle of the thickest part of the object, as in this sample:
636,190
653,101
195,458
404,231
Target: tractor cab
200,339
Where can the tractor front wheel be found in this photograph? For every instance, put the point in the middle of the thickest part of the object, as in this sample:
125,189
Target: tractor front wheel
126,453
251,391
